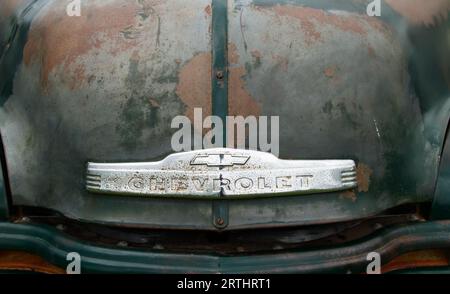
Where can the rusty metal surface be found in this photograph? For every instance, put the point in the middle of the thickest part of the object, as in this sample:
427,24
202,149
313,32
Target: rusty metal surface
26,262
104,87
419,259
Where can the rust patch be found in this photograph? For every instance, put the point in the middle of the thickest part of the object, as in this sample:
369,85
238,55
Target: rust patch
15,260
350,195
363,173
194,86
419,259
58,40
208,11
233,56
330,71
310,17
240,101
420,12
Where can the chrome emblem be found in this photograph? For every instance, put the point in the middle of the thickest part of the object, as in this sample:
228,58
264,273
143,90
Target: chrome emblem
215,173
220,159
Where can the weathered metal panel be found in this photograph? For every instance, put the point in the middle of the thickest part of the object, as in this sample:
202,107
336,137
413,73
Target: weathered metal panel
105,86
341,83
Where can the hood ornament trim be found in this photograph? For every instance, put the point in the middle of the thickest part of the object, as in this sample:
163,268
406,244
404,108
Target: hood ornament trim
222,172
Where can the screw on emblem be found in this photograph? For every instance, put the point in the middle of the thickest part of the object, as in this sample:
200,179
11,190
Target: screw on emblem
220,221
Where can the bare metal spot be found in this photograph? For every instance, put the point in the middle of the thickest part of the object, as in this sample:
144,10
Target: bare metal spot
363,173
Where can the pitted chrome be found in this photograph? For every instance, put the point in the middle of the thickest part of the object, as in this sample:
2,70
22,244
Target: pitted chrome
222,172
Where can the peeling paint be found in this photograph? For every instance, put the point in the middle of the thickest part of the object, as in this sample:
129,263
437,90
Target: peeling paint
58,40
110,104
194,86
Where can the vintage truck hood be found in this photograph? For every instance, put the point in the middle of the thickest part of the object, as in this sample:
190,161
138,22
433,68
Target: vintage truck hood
104,87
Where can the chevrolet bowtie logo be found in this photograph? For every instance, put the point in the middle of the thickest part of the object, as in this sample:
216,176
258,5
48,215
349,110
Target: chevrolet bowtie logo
218,160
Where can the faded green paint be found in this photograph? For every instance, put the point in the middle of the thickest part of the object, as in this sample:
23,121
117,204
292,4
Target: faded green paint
326,118
219,35
220,60
13,43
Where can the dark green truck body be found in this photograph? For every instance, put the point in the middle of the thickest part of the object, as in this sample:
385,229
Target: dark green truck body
104,87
